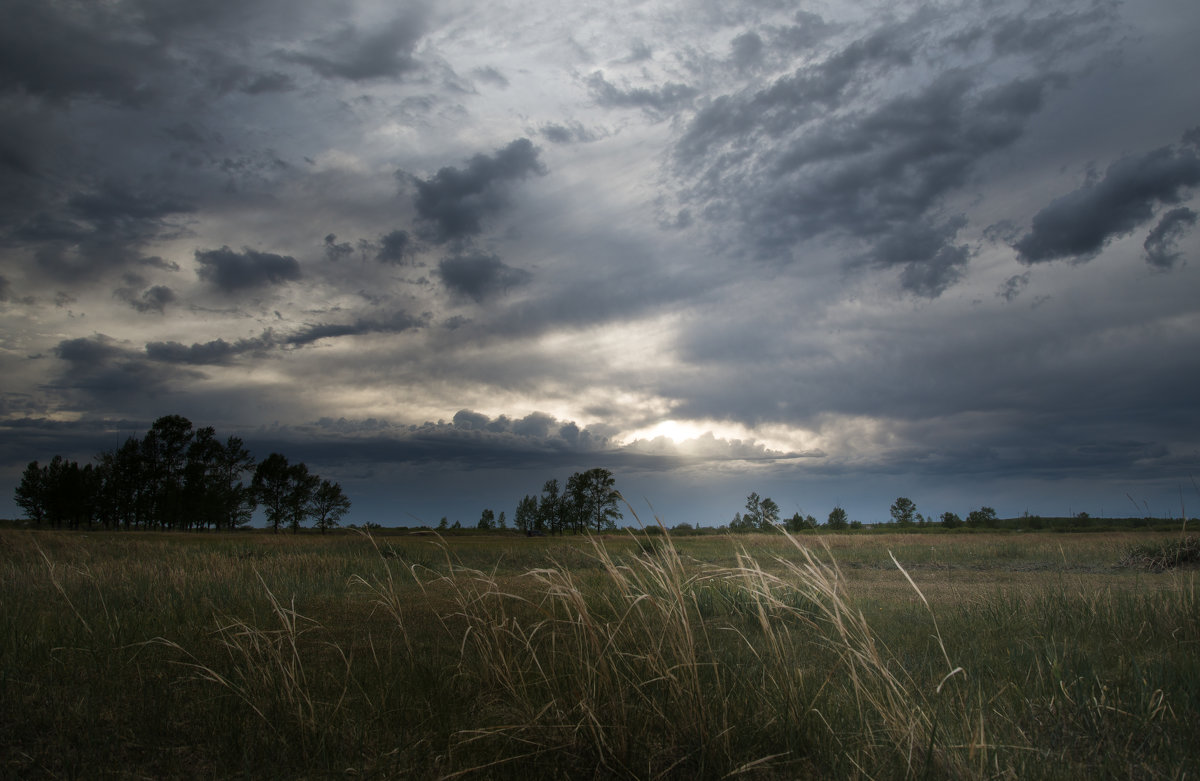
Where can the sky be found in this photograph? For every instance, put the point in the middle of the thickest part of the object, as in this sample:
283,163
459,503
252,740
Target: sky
832,253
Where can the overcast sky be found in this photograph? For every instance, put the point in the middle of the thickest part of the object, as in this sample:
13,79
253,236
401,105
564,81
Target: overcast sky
442,252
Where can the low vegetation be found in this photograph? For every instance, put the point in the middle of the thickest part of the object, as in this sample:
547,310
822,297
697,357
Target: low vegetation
625,655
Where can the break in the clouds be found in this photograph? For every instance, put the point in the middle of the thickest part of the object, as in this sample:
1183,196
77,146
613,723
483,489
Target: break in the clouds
444,252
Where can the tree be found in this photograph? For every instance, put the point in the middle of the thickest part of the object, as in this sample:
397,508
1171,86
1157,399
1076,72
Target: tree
164,451
501,521
487,520
951,520
984,516
768,514
284,491
837,519
594,499
126,493
526,516
752,518
799,523
327,505
551,515
903,511
30,494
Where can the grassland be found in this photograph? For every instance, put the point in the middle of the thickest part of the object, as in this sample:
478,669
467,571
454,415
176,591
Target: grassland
762,656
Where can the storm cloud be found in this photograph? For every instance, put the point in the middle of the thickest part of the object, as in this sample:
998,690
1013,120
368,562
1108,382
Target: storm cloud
1080,223
249,269
455,202
1161,243
479,277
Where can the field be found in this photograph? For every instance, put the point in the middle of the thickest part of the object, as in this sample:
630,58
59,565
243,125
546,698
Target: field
1011,655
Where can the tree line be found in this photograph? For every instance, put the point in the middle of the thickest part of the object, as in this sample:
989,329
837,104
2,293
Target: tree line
762,514
178,477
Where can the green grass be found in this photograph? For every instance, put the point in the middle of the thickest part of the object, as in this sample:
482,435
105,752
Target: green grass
878,656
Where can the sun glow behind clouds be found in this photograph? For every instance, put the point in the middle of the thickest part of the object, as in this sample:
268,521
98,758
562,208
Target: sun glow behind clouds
700,435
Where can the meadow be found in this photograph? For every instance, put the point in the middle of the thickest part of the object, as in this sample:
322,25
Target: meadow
985,655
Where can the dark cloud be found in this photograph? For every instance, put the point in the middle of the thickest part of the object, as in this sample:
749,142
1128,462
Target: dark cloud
395,247
249,269
929,260
334,251
7,294
876,176
827,153
152,299
746,51
265,83
1160,244
1013,286
220,352
572,132
97,229
478,276
103,371
1080,223
357,55
215,352
59,51
748,119
657,101
1060,29
454,202
395,323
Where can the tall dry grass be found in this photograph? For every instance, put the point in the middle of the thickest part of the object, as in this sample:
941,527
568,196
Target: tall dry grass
636,670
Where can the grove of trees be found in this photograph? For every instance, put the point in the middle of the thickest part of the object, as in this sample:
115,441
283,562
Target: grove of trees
178,477
590,501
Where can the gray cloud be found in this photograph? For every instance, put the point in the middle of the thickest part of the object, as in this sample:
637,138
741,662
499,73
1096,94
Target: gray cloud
215,352
357,55
1160,244
152,299
478,276
746,50
657,101
876,176
396,322
102,370
221,352
1080,223
571,132
491,76
1012,287
395,247
334,251
454,202
58,53
249,269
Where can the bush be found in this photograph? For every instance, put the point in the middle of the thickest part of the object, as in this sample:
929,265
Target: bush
1159,557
